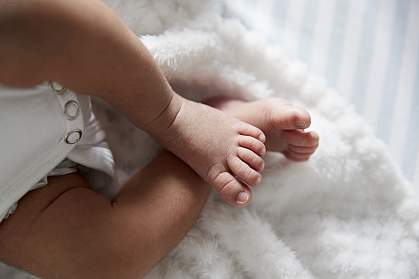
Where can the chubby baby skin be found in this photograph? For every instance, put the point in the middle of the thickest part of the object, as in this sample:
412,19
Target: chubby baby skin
90,51
283,123
224,151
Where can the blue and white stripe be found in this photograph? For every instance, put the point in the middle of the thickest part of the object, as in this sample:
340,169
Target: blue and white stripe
367,49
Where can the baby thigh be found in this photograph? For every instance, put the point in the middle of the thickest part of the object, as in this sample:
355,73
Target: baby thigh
54,231
66,230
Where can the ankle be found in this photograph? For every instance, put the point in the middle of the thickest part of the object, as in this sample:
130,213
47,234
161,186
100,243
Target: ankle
163,123
222,103
225,104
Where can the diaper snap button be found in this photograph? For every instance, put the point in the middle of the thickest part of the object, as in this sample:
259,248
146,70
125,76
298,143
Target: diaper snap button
58,88
73,136
71,109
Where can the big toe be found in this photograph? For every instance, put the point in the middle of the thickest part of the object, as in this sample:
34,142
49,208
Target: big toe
290,117
231,190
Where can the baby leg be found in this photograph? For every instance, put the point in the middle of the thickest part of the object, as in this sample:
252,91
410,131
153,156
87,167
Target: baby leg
66,231
86,47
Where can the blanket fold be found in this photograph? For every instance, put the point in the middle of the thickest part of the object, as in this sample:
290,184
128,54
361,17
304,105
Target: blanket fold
347,213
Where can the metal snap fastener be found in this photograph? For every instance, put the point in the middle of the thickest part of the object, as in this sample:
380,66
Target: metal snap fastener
58,88
71,109
73,136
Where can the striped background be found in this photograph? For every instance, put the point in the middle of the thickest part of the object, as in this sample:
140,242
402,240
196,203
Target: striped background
367,49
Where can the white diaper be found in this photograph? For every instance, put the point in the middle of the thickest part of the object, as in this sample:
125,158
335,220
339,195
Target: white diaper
46,131
65,167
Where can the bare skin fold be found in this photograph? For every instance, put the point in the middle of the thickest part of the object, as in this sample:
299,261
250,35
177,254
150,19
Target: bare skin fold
66,230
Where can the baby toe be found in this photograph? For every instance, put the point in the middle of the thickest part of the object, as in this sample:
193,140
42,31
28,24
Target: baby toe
252,131
315,138
251,158
301,138
291,117
231,190
244,172
253,144
302,149
295,156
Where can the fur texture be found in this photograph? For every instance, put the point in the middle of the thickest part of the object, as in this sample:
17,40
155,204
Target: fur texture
347,213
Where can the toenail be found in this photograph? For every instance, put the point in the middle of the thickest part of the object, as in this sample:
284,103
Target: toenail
301,123
242,197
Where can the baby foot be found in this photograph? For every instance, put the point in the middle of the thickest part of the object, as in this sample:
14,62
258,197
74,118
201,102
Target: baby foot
282,123
224,151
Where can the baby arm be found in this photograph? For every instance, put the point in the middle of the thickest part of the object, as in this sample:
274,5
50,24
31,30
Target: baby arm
83,45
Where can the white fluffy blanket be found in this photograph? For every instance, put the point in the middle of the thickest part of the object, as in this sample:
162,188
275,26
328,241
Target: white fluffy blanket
347,213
